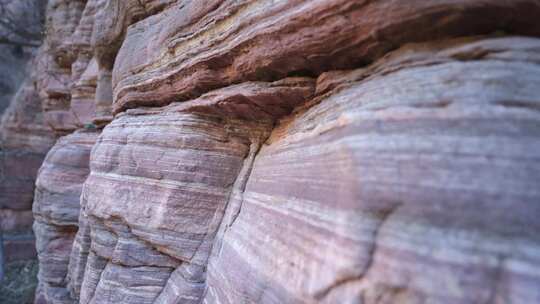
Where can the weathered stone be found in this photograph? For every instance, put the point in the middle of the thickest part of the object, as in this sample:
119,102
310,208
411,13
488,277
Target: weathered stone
54,83
159,185
56,211
196,46
260,151
411,181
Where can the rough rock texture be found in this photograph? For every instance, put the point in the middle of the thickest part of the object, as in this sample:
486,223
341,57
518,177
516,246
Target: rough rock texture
11,74
56,211
68,94
412,181
160,182
63,17
19,32
322,151
25,141
194,46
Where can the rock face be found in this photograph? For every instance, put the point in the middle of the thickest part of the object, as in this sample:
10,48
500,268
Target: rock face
20,29
67,94
401,184
56,211
322,151
25,141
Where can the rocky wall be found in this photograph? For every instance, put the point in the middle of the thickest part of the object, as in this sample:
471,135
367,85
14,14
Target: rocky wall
321,151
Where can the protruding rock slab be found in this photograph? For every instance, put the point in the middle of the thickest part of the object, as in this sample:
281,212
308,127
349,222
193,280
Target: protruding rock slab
193,47
412,181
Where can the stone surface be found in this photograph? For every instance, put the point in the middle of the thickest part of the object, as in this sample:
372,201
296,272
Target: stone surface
254,151
26,133
19,32
67,87
411,181
159,184
54,85
195,46
56,211
24,141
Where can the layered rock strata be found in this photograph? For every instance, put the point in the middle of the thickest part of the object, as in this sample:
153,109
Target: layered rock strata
56,211
25,141
192,47
68,102
161,179
411,181
292,152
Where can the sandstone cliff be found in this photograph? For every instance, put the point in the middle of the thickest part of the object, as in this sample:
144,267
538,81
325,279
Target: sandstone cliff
321,151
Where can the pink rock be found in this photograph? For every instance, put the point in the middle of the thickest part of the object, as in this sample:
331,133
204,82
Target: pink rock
56,211
321,151
410,181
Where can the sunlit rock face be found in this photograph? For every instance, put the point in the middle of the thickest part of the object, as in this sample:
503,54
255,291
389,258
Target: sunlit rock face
291,152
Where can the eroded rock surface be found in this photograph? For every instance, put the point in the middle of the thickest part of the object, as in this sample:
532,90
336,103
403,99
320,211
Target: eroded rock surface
68,94
401,184
194,46
322,151
56,212
161,179
25,141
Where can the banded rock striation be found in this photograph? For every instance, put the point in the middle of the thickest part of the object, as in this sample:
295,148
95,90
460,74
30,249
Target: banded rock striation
401,183
192,46
321,151
159,185
68,94
56,212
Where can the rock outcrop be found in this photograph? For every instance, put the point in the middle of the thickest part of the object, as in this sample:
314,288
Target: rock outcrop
56,211
322,151
20,32
68,94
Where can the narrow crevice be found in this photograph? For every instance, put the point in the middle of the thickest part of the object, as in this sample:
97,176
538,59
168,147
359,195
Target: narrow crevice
243,177
383,217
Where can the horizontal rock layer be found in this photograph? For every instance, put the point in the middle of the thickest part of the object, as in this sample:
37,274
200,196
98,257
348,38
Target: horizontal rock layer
193,46
24,141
